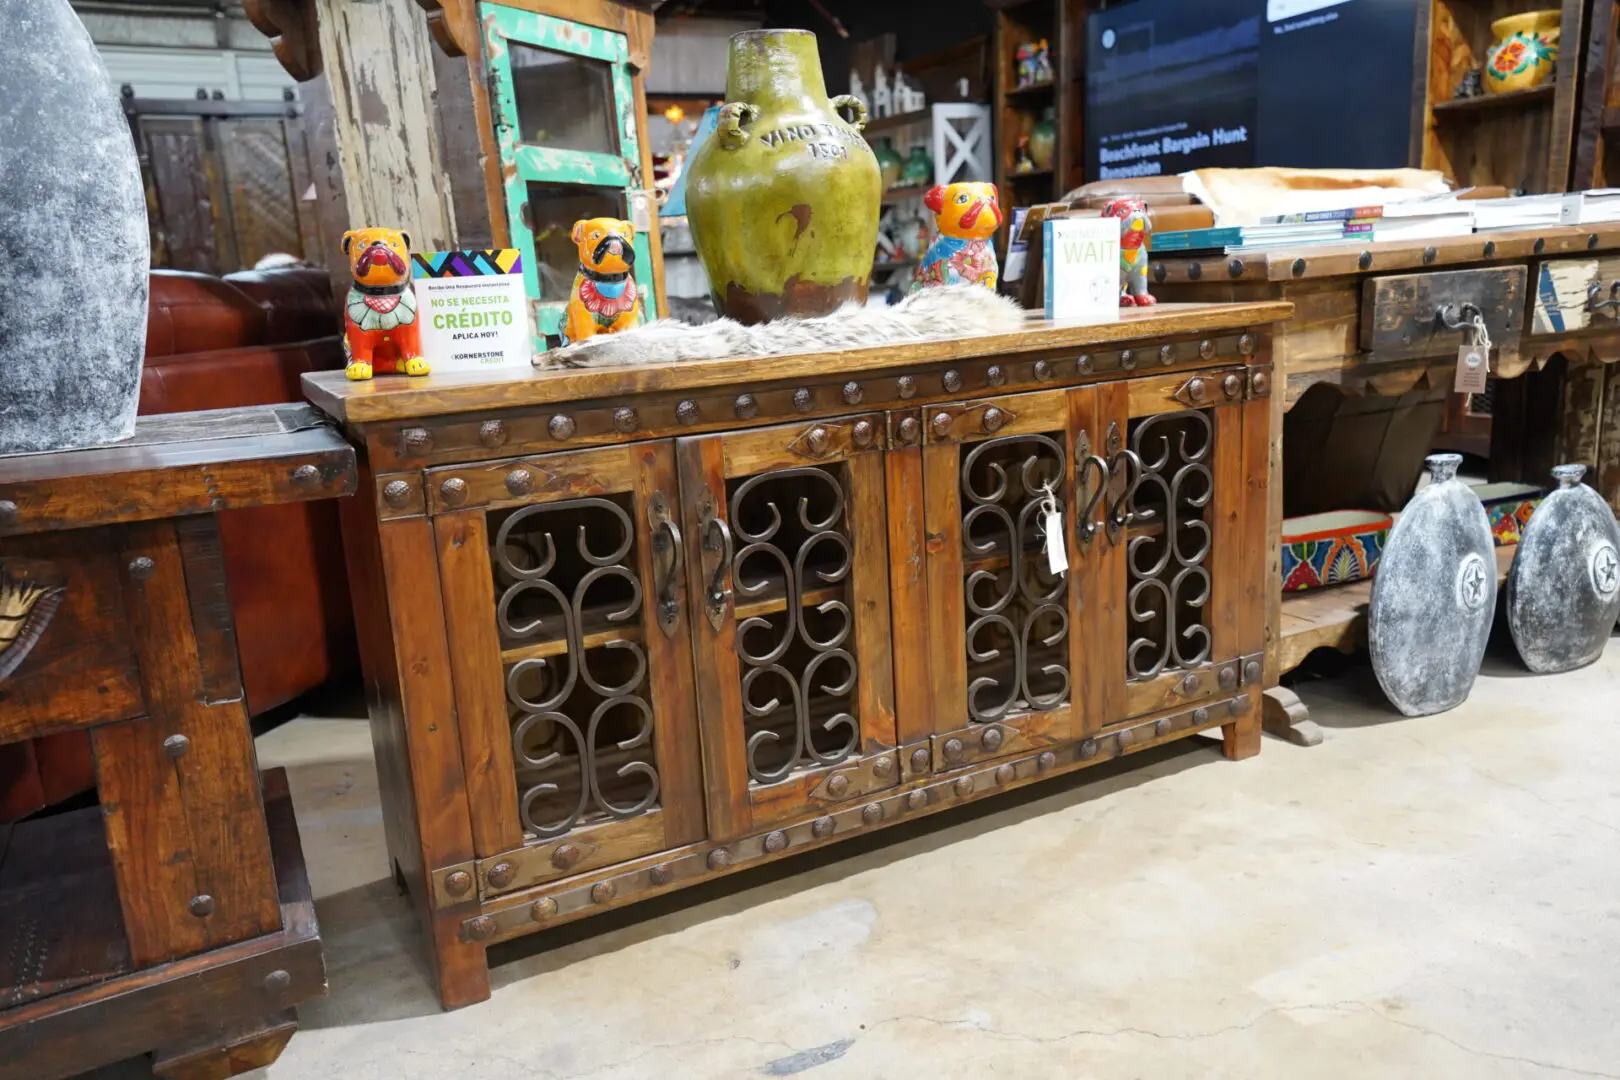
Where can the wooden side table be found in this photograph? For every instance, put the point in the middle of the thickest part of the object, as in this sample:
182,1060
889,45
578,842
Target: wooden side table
175,917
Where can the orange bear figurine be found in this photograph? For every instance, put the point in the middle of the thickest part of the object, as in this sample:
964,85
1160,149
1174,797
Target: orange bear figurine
967,215
604,299
380,331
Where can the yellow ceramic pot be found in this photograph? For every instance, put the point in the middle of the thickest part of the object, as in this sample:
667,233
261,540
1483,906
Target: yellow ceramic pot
1525,51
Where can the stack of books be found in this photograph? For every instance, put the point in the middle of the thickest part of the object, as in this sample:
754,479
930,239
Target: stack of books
1416,219
1245,237
1590,207
1523,212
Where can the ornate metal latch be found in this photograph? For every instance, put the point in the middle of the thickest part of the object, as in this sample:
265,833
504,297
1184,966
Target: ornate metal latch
1091,487
1125,467
1595,290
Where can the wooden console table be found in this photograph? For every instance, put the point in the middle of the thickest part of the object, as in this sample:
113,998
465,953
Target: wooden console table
1372,319
176,916
630,629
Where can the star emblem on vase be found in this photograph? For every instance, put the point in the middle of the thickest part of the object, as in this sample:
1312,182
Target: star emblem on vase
1471,583
1606,570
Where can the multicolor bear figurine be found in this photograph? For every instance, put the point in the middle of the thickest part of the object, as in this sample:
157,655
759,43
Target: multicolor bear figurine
380,331
1135,233
604,299
967,215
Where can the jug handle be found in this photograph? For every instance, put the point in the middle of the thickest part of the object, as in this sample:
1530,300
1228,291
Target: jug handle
733,115
850,101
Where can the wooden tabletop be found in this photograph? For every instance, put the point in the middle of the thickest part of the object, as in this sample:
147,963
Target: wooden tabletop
400,397
1336,258
179,464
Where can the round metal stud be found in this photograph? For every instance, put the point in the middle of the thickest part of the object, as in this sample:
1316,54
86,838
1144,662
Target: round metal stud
277,981
822,827
1046,760
306,478
776,841
686,412
492,433
396,493
1167,355
852,393
480,928
953,750
1088,749
1365,262
561,427
993,419
906,385
921,760
1162,727
963,786
1235,268
1004,774
942,423
1429,255
871,814
863,432
142,568
1195,390
883,768
418,440
176,746
1591,241
458,883
1246,344
519,481
1251,671
1298,268
1540,245
745,406
1123,738
916,800
501,875
541,910
838,785
995,376
1490,248
1189,683
1200,716
625,420
1261,382
952,381
1082,364
910,430
1238,705
719,859
816,440
202,905
565,856
662,874
453,491
1232,386
991,739
803,399
1206,349
8,512
1227,677
1195,271
1158,271
1127,359
1043,370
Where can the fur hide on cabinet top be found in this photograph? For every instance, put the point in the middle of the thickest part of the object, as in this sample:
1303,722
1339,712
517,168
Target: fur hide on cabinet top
929,315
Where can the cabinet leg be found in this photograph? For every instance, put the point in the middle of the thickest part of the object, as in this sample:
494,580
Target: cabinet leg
238,1049
1286,717
1241,738
461,967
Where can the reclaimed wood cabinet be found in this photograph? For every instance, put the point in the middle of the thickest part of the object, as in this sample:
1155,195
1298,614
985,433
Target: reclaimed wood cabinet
629,629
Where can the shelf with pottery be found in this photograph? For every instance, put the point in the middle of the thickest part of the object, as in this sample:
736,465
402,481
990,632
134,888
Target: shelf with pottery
1490,103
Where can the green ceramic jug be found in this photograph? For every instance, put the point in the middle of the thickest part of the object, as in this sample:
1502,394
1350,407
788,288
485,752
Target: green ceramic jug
783,199
889,162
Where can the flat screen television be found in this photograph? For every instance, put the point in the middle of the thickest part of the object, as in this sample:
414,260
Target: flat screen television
1173,85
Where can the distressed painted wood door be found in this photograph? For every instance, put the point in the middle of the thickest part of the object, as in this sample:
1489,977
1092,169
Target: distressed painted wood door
786,549
564,112
569,641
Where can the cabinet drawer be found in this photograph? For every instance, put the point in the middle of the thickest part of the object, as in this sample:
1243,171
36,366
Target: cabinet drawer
1404,316
1575,294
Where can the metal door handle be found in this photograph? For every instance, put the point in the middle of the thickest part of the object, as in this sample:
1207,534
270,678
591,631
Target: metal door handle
666,540
1087,498
1595,290
1125,463
1453,317
716,537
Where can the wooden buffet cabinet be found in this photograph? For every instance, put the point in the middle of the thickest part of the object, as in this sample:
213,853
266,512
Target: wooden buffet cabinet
628,629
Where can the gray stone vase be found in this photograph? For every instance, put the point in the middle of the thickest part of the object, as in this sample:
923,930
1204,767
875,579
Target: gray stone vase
1434,596
1563,591
74,249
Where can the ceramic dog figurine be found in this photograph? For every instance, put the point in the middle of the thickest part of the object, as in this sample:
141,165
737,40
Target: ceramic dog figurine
604,299
380,331
1135,235
967,215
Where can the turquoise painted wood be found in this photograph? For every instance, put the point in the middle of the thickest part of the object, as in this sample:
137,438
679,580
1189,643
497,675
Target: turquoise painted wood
523,162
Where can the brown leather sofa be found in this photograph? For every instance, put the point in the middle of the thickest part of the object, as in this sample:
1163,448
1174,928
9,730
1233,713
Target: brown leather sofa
216,343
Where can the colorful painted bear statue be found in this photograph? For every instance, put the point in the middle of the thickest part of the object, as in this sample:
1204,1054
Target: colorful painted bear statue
967,216
604,299
1135,235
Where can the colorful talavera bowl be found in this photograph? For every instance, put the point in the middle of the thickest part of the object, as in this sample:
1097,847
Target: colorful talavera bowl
1508,506
1332,548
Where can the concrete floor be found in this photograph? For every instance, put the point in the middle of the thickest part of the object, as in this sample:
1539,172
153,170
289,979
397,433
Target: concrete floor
1425,898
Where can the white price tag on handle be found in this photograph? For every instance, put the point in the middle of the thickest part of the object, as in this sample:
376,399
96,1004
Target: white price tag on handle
1474,358
1057,551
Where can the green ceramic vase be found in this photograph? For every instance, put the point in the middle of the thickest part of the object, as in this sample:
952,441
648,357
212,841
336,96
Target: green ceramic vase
889,162
783,199
1043,139
919,170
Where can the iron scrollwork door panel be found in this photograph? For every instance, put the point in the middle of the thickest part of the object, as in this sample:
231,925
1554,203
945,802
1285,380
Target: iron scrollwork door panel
564,600
992,470
786,549
1179,554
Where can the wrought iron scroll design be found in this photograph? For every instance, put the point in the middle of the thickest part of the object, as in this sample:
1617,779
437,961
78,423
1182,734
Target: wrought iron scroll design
544,689
1001,518
1169,576
808,667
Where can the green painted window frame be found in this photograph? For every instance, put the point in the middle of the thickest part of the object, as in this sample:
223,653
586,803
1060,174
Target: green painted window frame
523,162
